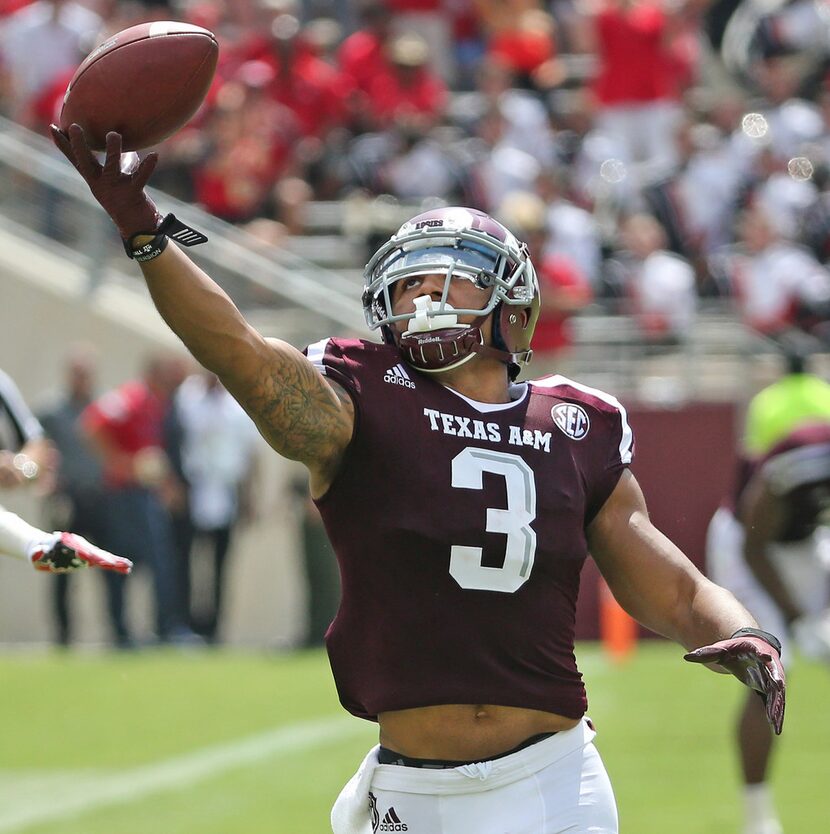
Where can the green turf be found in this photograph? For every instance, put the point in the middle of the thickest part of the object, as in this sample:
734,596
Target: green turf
73,726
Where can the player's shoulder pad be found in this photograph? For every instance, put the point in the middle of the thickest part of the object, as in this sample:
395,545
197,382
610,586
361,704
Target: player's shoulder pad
597,405
560,387
347,360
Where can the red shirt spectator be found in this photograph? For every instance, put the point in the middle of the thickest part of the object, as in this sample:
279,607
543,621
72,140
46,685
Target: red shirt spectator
633,62
407,87
306,84
362,55
564,291
252,141
129,420
527,45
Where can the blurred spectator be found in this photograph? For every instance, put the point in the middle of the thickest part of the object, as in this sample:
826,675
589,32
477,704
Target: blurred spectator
777,284
40,43
697,201
78,500
658,285
429,22
323,36
249,141
407,86
785,197
527,126
421,166
218,460
527,47
637,86
362,55
565,290
303,82
572,231
791,121
125,426
497,167
290,197
467,39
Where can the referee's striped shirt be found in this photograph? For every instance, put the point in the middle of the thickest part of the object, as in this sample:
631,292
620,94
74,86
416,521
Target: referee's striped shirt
17,423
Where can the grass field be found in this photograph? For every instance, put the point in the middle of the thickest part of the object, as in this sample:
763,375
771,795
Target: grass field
229,743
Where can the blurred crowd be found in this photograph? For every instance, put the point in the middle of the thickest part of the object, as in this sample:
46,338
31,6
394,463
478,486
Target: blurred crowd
162,467
657,155
165,467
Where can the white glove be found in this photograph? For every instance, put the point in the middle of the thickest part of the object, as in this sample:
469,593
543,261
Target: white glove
812,635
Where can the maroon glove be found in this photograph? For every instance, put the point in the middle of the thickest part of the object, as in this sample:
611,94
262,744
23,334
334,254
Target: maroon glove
755,662
120,193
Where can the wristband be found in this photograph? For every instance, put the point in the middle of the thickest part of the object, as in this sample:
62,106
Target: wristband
170,227
764,635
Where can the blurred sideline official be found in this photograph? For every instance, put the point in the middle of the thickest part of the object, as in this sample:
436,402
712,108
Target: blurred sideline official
26,456
78,499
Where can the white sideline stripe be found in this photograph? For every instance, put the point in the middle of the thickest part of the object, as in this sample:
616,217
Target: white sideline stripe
28,799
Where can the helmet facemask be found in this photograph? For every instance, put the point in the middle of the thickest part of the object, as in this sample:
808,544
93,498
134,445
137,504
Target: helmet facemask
446,242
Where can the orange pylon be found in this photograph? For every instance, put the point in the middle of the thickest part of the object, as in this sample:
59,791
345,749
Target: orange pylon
617,630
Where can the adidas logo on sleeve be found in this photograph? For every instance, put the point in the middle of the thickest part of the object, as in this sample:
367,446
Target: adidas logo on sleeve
398,376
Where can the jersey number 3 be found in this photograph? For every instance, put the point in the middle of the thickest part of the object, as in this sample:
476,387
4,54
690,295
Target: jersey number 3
466,566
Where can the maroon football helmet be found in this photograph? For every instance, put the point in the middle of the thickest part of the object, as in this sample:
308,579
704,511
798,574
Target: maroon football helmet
460,243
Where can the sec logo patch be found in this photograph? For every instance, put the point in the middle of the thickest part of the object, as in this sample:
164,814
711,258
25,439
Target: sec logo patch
571,420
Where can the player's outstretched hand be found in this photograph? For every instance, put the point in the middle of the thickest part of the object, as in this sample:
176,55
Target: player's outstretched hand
118,184
754,662
65,552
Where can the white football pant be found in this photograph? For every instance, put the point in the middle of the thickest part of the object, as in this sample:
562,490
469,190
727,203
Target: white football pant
555,786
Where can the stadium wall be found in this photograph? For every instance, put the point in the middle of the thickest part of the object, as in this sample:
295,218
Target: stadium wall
685,461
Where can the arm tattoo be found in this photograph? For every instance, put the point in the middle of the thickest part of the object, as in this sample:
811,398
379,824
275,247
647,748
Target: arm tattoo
298,412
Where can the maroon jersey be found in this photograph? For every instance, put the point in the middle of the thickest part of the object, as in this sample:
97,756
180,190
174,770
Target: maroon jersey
459,527
797,470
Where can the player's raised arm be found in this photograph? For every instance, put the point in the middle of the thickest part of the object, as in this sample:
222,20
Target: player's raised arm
300,414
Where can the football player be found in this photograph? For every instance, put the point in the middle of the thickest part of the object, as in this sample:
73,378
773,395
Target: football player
773,552
461,507
24,456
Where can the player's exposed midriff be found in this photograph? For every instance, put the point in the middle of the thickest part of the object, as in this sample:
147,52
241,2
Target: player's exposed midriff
461,732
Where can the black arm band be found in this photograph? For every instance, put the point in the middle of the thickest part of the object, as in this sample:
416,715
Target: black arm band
171,227
764,635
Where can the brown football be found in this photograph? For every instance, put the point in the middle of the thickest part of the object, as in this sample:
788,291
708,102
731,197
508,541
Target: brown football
144,82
